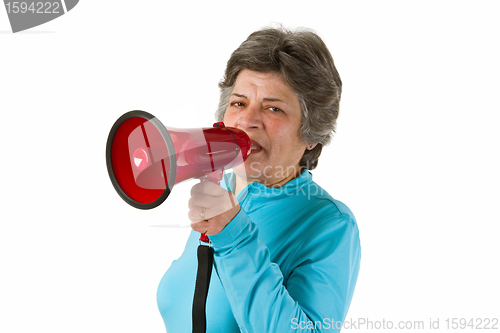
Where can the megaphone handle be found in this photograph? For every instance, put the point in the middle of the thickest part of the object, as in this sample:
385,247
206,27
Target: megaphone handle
214,177
204,272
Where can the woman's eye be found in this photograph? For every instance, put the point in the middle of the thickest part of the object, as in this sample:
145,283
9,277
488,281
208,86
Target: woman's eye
239,104
272,108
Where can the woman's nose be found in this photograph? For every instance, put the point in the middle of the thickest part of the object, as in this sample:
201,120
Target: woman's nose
250,117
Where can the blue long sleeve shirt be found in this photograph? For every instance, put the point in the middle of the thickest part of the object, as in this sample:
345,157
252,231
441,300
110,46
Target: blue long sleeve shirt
287,262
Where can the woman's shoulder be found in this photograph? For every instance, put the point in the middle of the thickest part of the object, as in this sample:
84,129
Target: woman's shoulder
320,199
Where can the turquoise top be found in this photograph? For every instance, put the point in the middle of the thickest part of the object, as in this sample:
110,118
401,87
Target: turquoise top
287,262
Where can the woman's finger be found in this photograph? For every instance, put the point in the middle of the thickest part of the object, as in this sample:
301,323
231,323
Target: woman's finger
208,188
201,200
197,214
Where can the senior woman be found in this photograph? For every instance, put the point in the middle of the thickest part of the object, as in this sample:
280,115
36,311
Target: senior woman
286,254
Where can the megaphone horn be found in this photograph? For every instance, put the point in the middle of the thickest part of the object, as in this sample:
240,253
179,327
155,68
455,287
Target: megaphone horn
145,159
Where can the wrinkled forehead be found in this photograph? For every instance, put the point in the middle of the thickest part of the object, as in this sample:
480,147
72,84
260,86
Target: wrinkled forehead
264,85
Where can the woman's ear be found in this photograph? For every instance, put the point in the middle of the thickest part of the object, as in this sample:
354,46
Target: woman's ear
311,146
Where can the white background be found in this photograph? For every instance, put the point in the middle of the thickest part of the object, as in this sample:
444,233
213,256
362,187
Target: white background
416,154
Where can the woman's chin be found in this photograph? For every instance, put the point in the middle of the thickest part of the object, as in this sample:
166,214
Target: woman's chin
250,170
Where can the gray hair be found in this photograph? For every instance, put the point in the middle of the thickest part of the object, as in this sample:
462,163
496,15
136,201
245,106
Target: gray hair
304,62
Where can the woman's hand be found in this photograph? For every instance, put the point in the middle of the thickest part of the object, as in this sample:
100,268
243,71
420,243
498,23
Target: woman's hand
215,204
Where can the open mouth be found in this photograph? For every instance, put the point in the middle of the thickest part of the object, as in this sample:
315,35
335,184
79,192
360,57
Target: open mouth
256,147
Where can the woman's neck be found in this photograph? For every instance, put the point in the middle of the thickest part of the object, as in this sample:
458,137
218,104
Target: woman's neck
274,183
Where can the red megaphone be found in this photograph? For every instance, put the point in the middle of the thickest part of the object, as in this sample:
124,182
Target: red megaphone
146,159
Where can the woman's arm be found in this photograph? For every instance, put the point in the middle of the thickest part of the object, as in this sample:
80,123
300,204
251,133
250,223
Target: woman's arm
314,297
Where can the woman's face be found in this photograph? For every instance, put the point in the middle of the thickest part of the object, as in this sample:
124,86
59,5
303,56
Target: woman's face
268,110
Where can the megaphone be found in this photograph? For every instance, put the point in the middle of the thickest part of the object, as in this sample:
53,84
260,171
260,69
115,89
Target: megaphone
145,159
